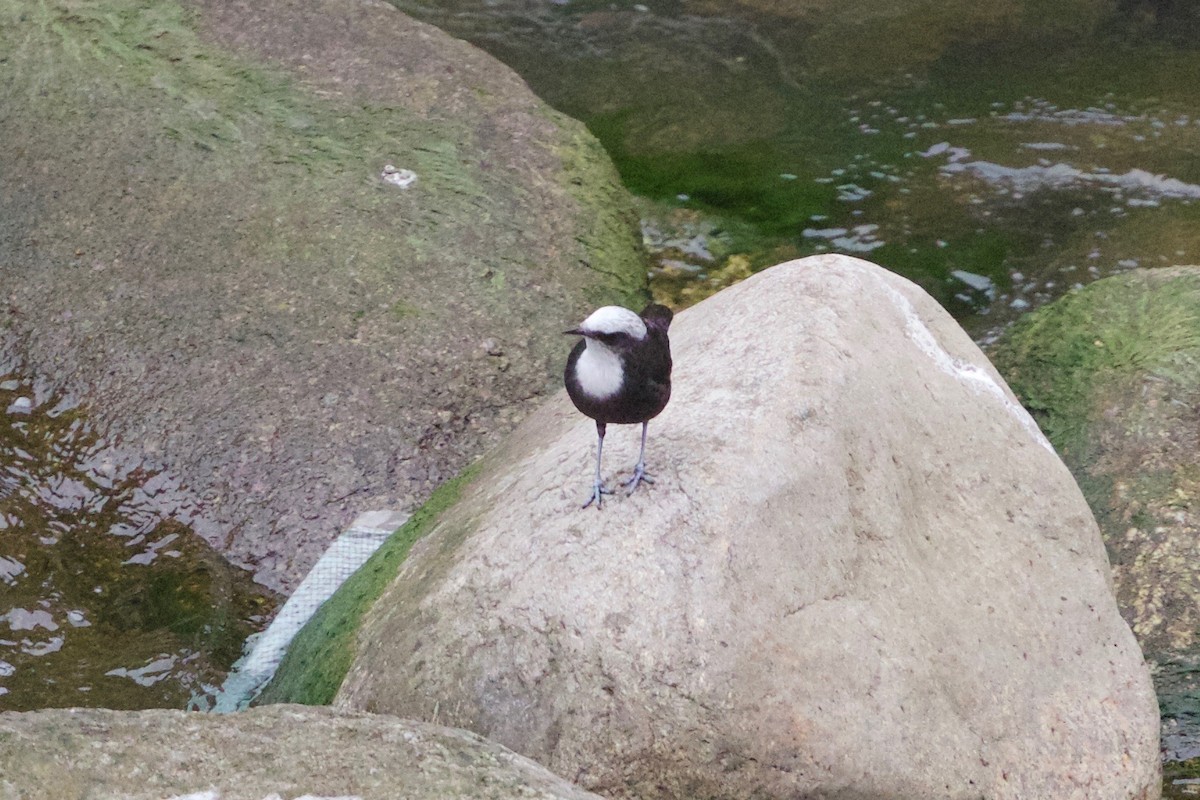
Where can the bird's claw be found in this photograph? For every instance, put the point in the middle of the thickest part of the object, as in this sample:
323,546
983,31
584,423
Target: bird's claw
598,491
639,476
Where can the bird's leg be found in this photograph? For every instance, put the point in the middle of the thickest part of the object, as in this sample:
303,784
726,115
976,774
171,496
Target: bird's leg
598,490
639,470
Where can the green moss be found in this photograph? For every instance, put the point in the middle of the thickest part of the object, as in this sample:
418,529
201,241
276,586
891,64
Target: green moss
212,101
321,654
403,310
612,238
245,142
1067,357
741,181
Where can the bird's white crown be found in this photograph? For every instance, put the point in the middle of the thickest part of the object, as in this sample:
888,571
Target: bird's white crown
614,319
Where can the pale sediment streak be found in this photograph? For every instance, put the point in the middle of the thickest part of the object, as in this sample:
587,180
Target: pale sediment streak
969,374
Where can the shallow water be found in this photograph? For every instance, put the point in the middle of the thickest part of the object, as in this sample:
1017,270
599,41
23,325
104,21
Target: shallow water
107,596
996,155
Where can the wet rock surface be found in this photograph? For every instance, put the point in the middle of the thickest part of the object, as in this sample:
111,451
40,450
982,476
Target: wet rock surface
862,572
281,751
196,241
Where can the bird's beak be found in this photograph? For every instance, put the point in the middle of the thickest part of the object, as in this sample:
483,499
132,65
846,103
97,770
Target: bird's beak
574,332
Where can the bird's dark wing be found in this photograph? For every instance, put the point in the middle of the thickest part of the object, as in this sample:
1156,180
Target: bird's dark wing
648,372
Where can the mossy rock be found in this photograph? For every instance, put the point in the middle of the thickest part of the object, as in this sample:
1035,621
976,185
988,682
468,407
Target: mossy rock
323,650
1112,374
196,241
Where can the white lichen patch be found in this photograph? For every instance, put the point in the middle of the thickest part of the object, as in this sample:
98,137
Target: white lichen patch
402,178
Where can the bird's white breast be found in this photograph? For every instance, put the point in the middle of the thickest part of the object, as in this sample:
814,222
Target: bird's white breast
599,370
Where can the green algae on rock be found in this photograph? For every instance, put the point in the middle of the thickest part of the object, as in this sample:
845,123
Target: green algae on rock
322,652
1112,374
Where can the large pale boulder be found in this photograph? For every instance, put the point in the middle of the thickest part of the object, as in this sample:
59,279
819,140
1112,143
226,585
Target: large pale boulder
862,572
280,751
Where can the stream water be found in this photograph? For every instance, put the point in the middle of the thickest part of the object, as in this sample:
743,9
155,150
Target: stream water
998,155
107,596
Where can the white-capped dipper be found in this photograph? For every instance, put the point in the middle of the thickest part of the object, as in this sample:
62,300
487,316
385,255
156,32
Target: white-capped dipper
620,373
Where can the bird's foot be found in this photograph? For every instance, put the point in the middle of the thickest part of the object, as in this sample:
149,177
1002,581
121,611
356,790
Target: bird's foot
639,476
598,492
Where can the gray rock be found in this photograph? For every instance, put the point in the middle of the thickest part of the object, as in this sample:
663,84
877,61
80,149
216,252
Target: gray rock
195,240
281,751
862,572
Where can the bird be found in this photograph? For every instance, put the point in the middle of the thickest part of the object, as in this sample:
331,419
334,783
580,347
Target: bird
620,373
